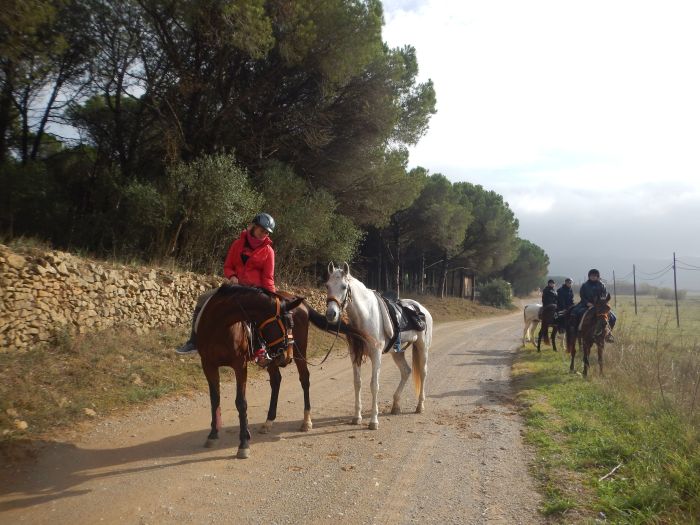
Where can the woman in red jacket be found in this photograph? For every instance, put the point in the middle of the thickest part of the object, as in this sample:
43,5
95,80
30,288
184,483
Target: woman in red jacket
250,262
251,259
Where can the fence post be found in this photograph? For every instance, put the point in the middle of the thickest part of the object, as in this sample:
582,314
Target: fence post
675,290
634,285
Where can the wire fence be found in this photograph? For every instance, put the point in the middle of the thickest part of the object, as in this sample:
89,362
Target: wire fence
639,275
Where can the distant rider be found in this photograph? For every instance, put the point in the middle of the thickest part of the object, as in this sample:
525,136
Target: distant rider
549,294
565,295
590,291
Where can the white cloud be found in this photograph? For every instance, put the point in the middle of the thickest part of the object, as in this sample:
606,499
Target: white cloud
565,108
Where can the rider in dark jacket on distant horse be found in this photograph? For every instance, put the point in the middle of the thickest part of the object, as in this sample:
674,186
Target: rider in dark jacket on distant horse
549,295
590,291
565,295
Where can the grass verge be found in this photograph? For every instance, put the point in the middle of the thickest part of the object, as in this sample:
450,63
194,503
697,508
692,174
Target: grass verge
582,429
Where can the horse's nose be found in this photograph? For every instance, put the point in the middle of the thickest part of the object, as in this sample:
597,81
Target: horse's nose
330,316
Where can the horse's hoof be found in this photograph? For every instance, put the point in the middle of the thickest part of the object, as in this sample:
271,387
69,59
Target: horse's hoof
266,427
419,409
243,453
396,410
356,421
211,442
306,426
374,425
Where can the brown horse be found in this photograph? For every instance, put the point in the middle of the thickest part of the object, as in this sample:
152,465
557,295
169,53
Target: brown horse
222,341
547,321
551,318
592,331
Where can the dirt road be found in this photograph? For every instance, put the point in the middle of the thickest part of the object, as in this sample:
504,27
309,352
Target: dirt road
462,461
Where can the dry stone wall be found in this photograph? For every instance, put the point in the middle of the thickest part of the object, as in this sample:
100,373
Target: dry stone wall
45,292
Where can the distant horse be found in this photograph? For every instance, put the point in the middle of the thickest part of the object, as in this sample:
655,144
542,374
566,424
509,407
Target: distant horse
548,321
222,341
531,313
551,318
591,331
367,312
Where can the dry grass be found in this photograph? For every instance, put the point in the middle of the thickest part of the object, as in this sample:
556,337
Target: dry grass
654,362
455,309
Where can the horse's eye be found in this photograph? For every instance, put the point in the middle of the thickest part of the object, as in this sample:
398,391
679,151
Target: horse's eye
344,287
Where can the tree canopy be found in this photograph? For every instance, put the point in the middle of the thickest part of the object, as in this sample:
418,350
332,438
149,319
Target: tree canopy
157,128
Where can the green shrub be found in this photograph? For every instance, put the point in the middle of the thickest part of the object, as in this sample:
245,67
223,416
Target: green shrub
496,293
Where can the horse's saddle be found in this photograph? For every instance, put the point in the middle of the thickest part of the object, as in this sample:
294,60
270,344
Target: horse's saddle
404,316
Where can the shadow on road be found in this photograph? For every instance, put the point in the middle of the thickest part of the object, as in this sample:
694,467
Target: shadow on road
72,465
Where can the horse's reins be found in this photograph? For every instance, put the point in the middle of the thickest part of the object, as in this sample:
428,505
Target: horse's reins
341,305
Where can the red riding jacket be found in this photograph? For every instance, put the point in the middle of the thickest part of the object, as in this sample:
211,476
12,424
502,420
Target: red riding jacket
251,266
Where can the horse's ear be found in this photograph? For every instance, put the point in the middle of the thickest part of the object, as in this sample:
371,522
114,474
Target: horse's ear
346,268
292,304
607,299
331,267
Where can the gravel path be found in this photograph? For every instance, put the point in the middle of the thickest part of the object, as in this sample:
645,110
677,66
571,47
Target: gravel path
462,461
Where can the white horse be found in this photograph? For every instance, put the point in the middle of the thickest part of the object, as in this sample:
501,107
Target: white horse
531,313
366,311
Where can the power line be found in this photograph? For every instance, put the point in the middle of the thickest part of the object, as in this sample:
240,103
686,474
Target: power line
688,269
657,276
687,264
659,271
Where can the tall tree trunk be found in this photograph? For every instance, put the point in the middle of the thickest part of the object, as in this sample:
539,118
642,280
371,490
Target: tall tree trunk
380,250
5,109
46,115
422,272
397,274
24,113
443,276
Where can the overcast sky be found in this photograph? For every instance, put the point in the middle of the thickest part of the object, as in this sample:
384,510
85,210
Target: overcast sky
585,116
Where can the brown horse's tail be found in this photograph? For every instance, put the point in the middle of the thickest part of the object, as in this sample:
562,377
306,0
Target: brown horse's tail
360,342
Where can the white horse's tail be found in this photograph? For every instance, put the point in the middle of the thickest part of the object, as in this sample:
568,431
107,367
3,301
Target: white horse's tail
418,364
420,353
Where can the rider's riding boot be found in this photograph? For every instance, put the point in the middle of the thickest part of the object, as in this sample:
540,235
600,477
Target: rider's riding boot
190,346
261,358
609,336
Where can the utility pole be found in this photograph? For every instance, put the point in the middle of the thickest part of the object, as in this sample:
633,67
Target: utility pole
675,290
634,286
614,289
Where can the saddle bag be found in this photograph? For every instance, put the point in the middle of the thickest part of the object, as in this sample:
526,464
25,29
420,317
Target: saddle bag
416,318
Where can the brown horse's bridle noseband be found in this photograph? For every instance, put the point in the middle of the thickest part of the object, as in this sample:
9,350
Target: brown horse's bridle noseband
278,319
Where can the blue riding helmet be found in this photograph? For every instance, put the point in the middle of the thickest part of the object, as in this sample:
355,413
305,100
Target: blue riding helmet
265,221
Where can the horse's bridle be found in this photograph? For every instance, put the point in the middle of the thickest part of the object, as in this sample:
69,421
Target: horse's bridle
341,304
277,319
